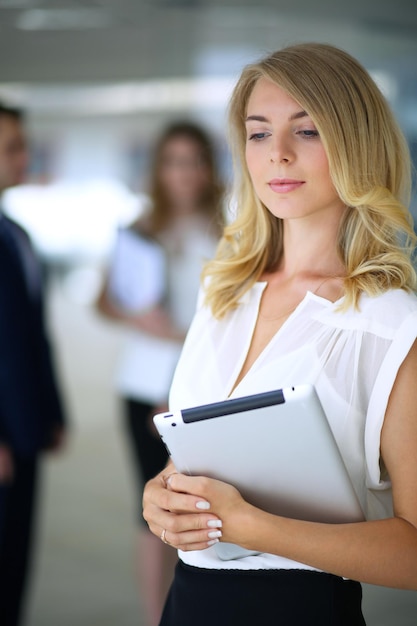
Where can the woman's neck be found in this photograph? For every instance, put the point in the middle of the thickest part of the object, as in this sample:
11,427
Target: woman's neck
311,250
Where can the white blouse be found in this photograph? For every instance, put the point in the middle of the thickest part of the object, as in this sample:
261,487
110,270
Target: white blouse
351,357
147,363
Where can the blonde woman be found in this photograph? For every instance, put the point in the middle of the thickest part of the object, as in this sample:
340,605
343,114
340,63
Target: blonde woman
312,283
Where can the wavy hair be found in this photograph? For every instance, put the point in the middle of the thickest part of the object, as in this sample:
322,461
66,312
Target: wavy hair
370,168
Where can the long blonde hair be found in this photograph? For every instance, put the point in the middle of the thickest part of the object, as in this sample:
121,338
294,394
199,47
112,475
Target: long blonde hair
369,165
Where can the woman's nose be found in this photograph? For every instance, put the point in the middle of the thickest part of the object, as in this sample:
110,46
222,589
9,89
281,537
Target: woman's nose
281,152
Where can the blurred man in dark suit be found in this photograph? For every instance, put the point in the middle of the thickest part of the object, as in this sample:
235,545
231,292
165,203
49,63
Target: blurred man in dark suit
31,416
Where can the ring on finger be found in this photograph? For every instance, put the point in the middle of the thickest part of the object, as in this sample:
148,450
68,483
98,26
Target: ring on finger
163,537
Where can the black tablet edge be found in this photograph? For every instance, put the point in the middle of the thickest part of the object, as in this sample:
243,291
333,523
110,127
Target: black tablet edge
234,405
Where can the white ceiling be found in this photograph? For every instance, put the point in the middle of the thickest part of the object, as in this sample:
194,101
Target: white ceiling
75,41
119,56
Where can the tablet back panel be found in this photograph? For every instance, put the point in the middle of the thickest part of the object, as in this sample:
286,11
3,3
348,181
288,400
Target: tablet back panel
277,448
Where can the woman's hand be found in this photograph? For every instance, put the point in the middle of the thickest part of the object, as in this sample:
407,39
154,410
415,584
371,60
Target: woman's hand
190,509
154,321
158,323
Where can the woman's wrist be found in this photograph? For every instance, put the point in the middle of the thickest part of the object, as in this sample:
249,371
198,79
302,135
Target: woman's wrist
242,526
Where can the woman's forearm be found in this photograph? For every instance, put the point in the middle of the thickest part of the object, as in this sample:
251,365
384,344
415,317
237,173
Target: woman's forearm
382,552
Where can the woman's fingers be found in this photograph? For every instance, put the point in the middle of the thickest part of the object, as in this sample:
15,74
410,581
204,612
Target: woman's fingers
213,495
181,502
158,518
160,493
189,532
180,519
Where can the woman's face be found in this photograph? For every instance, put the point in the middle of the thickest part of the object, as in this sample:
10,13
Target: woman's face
183,173
286,158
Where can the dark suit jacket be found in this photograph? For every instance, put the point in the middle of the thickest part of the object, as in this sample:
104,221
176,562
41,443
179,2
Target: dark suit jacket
30,407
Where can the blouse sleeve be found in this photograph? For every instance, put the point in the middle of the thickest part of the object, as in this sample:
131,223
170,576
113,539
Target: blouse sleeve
401,344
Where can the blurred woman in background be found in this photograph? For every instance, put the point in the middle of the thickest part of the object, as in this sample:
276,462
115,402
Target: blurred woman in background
173,238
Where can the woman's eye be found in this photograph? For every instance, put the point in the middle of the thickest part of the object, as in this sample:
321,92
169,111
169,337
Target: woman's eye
308,134
257,136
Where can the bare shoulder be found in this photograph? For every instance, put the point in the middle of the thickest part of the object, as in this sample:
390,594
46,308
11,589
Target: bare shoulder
402,405
399,438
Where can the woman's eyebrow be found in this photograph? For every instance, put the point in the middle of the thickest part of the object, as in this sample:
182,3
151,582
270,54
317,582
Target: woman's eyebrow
298,115
262,118
256,118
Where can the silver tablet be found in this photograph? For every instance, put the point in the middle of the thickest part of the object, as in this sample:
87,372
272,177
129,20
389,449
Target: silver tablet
276,447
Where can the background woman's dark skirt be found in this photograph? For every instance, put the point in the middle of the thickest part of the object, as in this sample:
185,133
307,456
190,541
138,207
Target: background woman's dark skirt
256,598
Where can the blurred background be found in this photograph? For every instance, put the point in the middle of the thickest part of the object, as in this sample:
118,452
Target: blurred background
98,79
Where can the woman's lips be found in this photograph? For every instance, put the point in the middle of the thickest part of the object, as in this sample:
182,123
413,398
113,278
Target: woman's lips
284,185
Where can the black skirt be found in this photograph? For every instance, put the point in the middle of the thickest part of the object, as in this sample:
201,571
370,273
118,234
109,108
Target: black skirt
261,597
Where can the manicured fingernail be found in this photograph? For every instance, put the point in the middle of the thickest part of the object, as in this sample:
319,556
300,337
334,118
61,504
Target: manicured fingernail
203,505
214,533
215,523
212,542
